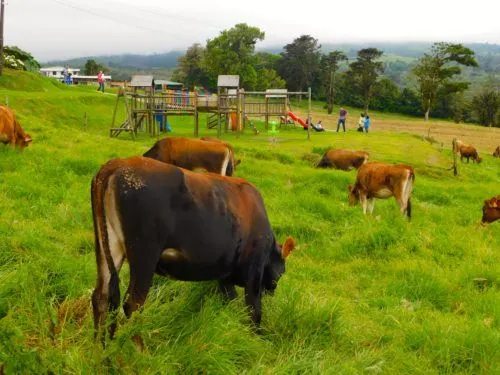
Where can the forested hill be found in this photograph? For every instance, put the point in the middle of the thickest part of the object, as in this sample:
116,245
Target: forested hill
489,54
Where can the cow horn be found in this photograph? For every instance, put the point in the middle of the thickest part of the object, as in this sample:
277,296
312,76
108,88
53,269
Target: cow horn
287,247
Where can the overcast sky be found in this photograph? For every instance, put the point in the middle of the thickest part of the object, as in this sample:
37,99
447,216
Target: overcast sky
52,29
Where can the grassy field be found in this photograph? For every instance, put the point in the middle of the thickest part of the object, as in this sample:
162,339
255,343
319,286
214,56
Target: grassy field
361,294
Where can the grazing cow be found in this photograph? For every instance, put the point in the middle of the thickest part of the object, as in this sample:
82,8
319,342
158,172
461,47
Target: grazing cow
11,132
190,226
491,210
343,159
496,153
469,152
193,154
380,180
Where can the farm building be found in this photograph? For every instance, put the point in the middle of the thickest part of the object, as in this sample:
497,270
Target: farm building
57,72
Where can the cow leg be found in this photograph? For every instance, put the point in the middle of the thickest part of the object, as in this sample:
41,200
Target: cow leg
371,205
362,198
228,290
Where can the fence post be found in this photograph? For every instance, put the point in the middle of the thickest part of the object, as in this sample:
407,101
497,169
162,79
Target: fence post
309,115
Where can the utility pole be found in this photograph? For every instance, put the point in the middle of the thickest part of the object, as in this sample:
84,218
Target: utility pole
2,12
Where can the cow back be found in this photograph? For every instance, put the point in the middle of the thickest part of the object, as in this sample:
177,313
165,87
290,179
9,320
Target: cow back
374,176
343,159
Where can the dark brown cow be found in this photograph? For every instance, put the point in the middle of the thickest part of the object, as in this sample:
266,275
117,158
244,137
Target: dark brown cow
491,210
380,180
194,154
11,132
190,226
496,153
343,159
469,152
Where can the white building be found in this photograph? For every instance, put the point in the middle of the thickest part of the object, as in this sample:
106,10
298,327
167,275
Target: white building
57,73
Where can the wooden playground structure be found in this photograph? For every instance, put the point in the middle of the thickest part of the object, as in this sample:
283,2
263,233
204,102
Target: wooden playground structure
230,109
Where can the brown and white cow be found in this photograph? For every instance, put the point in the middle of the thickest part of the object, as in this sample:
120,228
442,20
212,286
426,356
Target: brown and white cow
343,159
174,222
469,152
491,210
194,154
380,180
496,153
11,132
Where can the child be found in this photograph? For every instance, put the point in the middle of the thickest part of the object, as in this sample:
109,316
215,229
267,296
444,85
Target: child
361,122
367,123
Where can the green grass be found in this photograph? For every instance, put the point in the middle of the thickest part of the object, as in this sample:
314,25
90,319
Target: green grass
360,295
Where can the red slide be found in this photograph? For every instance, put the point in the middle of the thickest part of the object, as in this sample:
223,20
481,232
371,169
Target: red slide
294,117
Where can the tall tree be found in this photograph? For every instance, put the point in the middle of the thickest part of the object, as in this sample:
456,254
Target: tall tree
190,70
300,62
330,66
92,67
365,71
232,52
486,105
435,70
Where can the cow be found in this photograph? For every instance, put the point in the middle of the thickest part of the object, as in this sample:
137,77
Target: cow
380,180
469,152
343,159
178,223
195,154
496,153
11,132
491,210
456,145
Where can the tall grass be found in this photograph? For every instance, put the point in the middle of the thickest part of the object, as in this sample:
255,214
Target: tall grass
361,294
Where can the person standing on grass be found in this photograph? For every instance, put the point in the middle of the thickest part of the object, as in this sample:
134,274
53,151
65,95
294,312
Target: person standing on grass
100,80
342,117
367,123
361,122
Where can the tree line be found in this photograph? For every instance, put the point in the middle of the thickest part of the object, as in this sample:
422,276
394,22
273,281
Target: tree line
433,86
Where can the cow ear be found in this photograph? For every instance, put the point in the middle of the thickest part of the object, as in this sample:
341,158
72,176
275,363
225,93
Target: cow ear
287,247
237,162
27,138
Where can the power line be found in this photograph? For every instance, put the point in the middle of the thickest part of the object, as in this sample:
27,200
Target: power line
94,13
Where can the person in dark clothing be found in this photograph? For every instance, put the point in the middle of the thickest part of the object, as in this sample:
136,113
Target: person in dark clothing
342,118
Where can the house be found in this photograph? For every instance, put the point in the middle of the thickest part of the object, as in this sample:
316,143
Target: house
57,72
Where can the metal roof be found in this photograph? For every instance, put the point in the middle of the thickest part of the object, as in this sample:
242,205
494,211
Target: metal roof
141,81
169,83
228,81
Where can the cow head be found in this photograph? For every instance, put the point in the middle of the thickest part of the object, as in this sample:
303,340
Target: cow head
479,159
23,141
353,195
491,210
276,266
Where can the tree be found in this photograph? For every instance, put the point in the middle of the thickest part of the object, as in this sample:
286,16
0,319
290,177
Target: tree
486,105
268,78
92,67
330,66
300,62
365,71
232,52
16,58
190,69
434,71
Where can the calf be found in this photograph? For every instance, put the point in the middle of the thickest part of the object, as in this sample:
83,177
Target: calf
186,225
496,153
380,180
343,159
212,156
469,152
491,210
11,132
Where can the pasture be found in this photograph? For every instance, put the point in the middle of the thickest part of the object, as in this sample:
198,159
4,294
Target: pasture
372,294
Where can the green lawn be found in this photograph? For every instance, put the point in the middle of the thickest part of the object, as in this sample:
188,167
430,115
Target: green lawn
361,294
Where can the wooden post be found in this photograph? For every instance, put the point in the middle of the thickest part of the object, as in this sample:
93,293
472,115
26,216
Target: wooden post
238,112
196,117
286,112
120,93
267,112
243,110
455,167
219,129
309,115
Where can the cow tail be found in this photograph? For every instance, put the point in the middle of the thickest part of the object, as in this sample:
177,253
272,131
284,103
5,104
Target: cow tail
408,209
409,188
230,163
110,292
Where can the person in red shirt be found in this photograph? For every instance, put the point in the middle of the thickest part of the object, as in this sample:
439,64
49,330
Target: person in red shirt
101,80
